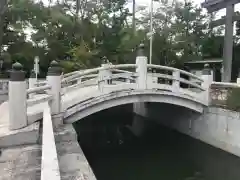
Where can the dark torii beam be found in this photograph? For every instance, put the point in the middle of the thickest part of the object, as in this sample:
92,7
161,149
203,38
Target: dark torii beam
219,22
215,5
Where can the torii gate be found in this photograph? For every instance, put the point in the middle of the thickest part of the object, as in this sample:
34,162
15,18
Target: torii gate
215,5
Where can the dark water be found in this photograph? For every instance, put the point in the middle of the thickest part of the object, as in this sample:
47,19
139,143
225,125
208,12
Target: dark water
160,154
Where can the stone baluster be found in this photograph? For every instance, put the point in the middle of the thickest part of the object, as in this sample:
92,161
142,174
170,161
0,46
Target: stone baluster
17,98
207,77
104,74
128,80
176,81
141,70
54,80
79,81
154,76
32,82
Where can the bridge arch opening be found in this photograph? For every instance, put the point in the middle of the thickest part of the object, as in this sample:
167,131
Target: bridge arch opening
116,125
94,105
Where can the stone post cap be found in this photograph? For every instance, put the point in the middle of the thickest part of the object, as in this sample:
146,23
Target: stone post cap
104,60
54,69
17,73
206,70
17,66
141,50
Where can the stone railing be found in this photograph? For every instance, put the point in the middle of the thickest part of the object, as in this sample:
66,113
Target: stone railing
220,93
97,76
4,84
21,97
166,79
110,77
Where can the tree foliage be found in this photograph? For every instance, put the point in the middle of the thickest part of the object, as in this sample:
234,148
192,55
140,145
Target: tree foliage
78,33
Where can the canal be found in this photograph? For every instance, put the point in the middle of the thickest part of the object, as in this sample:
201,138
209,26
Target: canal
114,153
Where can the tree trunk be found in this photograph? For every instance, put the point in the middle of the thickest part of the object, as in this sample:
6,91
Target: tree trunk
134,16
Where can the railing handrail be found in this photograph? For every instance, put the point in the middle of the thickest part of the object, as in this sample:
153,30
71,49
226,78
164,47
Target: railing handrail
79,85
37,89
49,164
92,76
175,69
121,71
119,75
38,100
170,77
70,74
89,71
225,84
4,80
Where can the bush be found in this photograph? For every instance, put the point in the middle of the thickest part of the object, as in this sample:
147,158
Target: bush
233,99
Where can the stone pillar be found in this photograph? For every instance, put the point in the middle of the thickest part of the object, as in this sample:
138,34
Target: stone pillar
54,80
207,77
238,78
141,62
176,82
32,82
17,98
139,108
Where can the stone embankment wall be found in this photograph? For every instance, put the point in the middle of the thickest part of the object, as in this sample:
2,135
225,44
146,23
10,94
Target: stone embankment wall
216,126
72,161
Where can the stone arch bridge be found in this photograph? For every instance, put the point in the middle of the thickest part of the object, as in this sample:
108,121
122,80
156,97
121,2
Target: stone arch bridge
43,109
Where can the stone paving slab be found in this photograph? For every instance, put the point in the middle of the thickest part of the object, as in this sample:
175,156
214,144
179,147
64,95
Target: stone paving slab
20,163
27,135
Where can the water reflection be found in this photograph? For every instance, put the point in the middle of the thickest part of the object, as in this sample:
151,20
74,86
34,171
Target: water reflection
160,154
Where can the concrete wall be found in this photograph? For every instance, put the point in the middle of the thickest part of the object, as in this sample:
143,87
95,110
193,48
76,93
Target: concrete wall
216,126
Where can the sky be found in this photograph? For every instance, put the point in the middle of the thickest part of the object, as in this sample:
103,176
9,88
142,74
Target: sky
197,2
